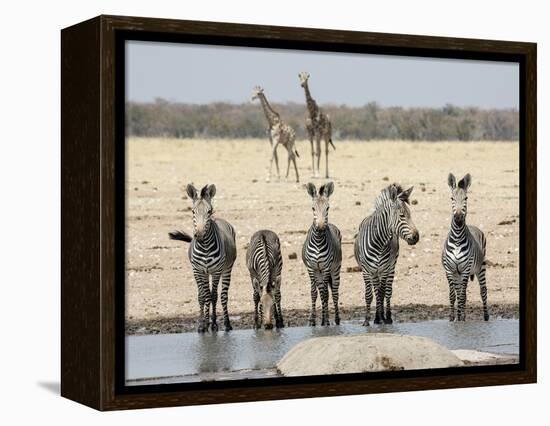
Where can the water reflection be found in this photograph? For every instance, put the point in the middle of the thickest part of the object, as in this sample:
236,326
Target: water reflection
193,353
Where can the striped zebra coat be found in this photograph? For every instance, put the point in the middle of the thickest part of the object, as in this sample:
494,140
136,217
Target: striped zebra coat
464,252
376,247
265,264
322,254
212,253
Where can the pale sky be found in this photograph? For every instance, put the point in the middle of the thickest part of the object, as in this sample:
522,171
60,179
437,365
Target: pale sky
202,74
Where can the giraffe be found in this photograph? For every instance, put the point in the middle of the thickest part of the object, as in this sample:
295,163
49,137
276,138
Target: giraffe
318,127
280,132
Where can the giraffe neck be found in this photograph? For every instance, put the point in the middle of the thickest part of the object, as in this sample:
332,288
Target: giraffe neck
311,104
272,116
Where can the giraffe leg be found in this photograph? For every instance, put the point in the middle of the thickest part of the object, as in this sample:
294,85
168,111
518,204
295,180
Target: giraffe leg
483,291
289,158
273,157
318,154
326,155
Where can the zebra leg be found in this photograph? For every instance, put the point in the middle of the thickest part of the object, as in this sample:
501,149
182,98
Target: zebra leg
214,301
483,291
226,280
323,289
256,297
388,287
279,323
379,292
204,300
452,296
463,285
313,298
334,287
368,297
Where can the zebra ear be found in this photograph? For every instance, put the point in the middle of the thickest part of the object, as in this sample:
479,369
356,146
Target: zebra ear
465,182
208,192
404,196
311,190
451,181
192,191
327,189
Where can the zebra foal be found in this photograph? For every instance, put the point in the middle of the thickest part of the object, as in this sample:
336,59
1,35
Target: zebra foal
464,252
265,263
212,253
376,247
322,254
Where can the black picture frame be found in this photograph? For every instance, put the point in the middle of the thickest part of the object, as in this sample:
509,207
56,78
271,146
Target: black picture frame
93,211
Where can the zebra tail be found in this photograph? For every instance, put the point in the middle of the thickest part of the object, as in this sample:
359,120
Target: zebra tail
180,236
296,152
330,141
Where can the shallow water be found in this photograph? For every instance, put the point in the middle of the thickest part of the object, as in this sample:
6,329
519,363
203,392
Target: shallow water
253,353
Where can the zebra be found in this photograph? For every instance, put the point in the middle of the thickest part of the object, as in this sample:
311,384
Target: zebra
212,253
265,263
464,252
322,254
376,247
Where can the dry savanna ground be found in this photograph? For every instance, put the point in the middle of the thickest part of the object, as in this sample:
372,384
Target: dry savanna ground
161,295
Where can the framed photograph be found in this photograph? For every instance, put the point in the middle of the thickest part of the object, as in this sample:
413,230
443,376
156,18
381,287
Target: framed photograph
255,212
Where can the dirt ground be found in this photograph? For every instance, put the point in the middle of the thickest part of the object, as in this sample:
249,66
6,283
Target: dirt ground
161,295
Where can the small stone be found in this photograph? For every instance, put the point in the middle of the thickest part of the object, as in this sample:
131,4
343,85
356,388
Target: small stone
414,202
385,178
293,256
358,203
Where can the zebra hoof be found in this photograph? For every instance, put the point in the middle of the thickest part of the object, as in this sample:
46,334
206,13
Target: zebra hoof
228,326
366,323
214,326
337,321
485,317
388,321
280,324
312,322
201,328
377,321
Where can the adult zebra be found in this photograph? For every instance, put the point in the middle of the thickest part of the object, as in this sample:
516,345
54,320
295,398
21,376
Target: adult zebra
322,254
265,263
464,251
376,247
212,253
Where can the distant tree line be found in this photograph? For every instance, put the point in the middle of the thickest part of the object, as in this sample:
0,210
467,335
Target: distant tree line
225,120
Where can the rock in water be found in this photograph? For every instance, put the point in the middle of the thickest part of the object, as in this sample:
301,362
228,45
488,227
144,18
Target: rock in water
365,353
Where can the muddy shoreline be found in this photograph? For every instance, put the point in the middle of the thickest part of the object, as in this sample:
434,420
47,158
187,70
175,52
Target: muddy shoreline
299,317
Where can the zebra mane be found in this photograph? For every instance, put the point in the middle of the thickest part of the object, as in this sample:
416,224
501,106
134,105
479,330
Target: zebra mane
386,194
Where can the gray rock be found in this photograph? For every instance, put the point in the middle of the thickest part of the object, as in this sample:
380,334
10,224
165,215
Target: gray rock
365,353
